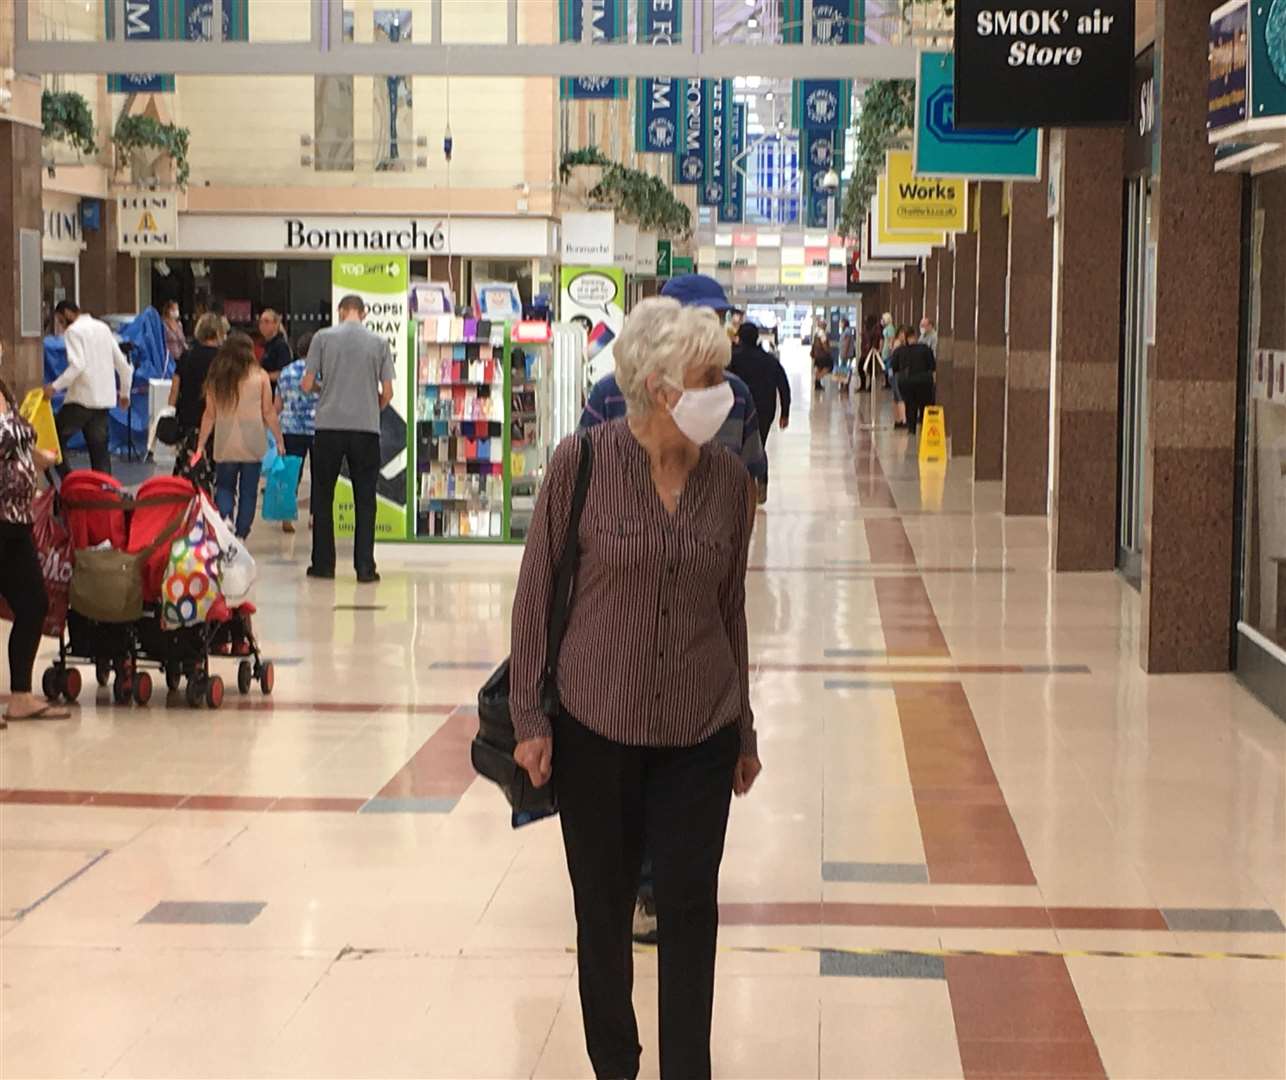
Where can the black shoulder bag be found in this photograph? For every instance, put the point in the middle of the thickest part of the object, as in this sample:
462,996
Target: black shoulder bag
493,747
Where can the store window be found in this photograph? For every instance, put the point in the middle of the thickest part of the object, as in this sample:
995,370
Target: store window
1264,547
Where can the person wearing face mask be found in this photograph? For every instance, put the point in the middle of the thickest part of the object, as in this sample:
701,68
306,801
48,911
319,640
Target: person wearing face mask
653,732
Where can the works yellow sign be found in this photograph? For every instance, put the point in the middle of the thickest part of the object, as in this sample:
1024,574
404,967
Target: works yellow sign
921,203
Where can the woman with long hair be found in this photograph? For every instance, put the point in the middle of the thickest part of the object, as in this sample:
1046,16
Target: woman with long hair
22,582
239,412
823,357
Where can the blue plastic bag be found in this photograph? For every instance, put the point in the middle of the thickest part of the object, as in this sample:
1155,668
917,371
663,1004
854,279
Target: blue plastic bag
280,495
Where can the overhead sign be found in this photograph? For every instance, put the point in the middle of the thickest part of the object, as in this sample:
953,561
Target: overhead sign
718,95
941,149
1247,101
885,246
625,250
589,238
143,22
932,237
732,210
821,104
608,22
1043,63
689,164
835,22
914,203
822,152
147,221
656,115
646,254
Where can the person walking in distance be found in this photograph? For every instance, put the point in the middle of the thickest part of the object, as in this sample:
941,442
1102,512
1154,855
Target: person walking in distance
352,369
914,367
763,374
929,335
298,412
276,346
94,362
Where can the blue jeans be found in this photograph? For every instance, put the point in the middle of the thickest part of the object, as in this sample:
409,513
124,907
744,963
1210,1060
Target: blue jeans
236,485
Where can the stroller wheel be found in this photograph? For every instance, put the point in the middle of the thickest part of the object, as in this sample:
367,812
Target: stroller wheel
267,676
142,688
214,691
173,677
103,672
122,689
49,683
195,692
245,676
71,683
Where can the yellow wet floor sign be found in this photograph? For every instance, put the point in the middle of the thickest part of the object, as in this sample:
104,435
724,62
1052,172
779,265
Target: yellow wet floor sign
933,434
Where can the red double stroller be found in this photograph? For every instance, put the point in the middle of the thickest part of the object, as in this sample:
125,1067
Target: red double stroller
98,511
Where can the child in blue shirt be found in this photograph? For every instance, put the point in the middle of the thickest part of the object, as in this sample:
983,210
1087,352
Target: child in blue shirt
298,412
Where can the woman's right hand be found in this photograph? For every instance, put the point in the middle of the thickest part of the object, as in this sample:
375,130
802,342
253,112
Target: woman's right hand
537,757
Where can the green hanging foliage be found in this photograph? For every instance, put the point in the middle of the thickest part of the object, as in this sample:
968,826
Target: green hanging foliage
887,117
637,197
144,133
590,155
65,117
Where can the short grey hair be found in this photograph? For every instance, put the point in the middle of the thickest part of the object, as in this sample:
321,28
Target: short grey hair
662,337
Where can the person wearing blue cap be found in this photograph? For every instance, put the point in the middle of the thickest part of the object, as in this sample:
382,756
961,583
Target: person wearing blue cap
740,432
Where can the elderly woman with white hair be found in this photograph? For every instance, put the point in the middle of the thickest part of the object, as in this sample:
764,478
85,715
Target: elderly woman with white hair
654,731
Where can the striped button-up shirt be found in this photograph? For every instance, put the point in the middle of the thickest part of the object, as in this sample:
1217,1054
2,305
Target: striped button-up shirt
739,433
655,649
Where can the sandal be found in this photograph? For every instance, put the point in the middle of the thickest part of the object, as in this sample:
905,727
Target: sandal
45,712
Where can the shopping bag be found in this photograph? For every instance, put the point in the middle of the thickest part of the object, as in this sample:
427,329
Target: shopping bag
280,501
37,411
54,549
237,570
190,586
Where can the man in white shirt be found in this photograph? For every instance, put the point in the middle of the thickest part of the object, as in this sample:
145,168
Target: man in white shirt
94,360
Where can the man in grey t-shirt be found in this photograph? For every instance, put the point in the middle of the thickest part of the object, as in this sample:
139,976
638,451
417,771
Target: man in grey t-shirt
352,369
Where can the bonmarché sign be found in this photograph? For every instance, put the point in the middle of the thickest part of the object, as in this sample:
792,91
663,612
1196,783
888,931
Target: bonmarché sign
1056,63
414,237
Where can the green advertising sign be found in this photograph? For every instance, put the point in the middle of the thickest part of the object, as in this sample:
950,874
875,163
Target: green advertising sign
382,281
664,255
681,264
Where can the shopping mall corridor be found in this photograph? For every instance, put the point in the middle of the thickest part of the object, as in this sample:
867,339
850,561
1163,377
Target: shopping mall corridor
984,843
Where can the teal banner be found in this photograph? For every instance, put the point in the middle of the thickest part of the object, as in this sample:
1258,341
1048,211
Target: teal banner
609,23
1267,59
732,211
942,150
821,151
718,98
690,157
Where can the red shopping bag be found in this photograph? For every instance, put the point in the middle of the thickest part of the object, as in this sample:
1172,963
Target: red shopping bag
54,549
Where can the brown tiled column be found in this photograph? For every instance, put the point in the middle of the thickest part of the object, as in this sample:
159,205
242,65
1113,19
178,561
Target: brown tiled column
20,174
1031,267
946,330
989,340
931,265
964,321
107,276
1087,349
1192,371
915,295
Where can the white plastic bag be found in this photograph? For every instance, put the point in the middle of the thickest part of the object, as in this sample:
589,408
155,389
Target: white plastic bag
237,570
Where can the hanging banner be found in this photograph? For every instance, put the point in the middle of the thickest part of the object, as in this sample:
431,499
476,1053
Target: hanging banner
821,104
145,20
198,20
656,115
1044,63
1227,100
718,96
608,23
593,297
732,211
835,22
822,151
913,204
689,166
382,282
942,150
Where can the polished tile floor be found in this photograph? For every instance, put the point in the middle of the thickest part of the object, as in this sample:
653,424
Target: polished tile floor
984,844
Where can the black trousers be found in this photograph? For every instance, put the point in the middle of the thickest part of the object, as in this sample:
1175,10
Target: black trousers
917,394
360,450
72,418
22,584
613,801
301,446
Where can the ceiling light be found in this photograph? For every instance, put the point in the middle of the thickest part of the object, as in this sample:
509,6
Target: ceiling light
753,22
770,95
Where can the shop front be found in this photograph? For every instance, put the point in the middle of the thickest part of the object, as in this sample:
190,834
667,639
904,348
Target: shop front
240,264
62,242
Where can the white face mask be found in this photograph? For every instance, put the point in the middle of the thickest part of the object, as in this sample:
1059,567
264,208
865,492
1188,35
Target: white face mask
699,414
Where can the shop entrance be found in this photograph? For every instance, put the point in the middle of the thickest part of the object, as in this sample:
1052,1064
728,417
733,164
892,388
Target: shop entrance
57,283
1139,333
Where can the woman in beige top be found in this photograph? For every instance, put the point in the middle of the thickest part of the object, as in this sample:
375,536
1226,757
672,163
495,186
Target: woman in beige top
238,410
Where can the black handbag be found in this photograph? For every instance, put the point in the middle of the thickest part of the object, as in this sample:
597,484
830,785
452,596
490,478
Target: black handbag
492,752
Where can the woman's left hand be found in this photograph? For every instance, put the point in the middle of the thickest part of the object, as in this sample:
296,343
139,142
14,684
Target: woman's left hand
747,772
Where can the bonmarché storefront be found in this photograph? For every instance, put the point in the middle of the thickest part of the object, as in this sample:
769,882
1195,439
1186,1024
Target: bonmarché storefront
243,263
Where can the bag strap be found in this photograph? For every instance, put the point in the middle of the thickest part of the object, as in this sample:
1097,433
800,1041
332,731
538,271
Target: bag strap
566,576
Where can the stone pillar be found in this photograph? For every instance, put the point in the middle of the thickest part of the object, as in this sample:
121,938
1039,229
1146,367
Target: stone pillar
1190,464
108,279
1031,268
20,180
946,329
964,322
989,339
931,265
1087,347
